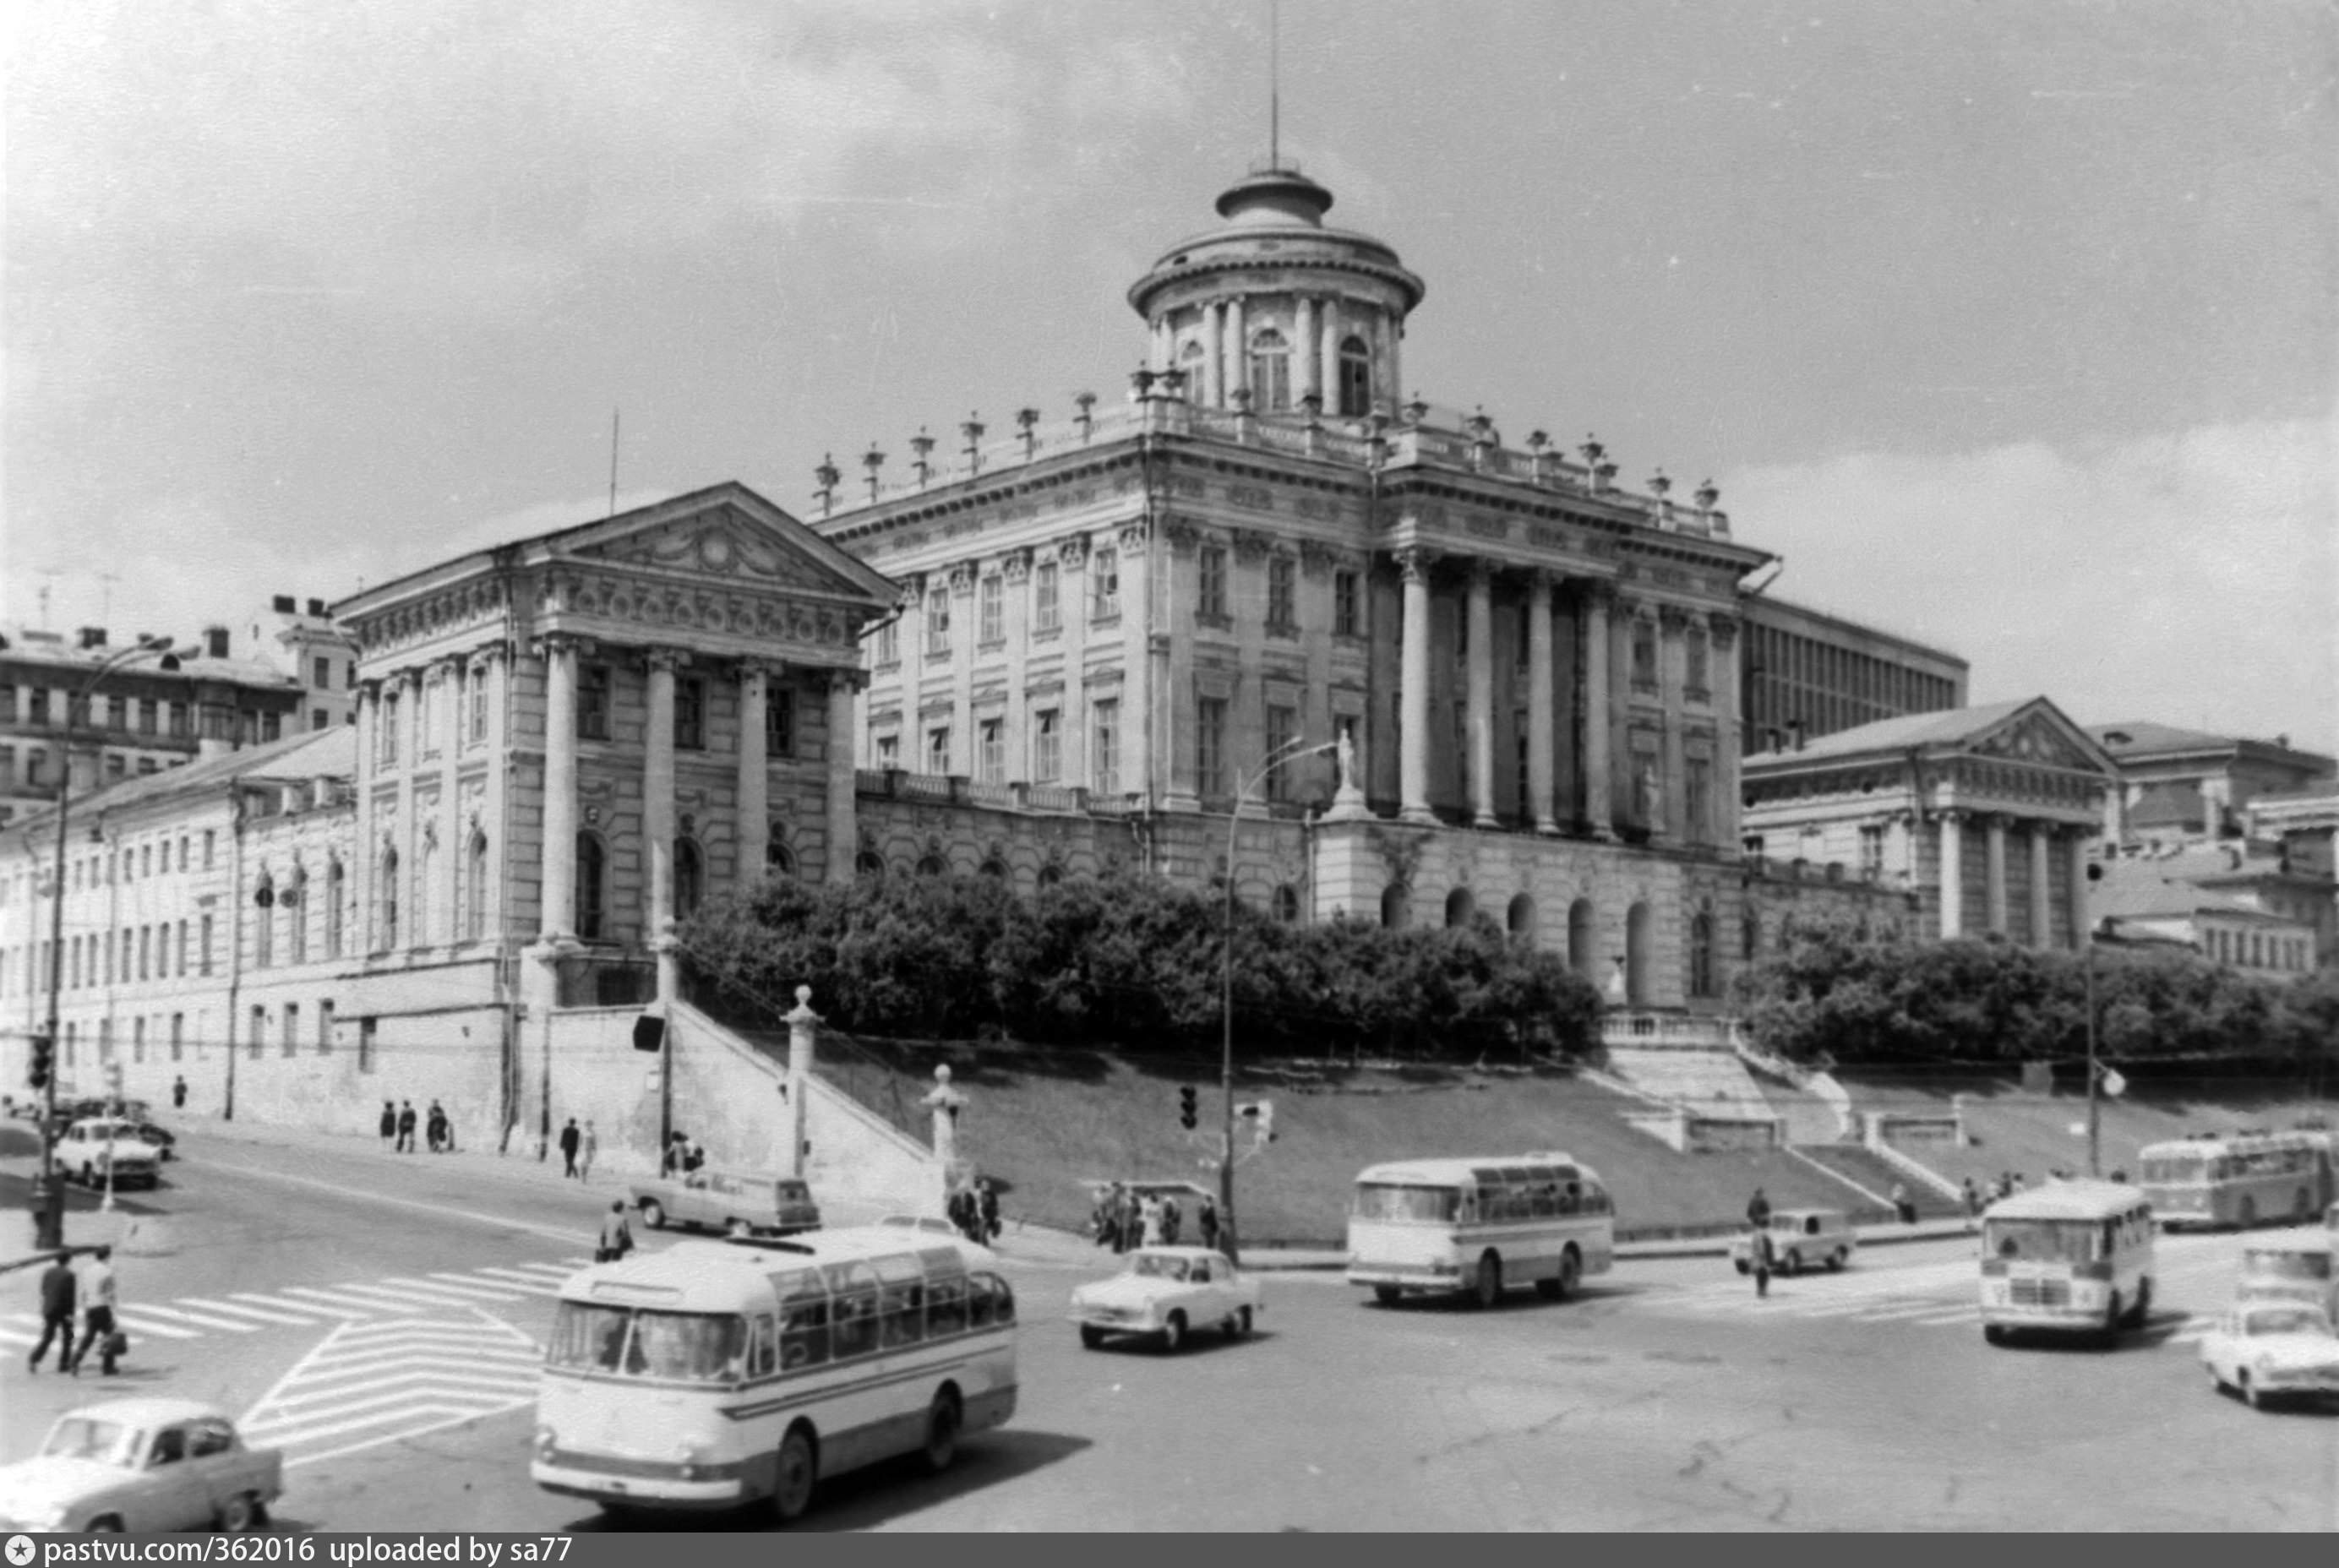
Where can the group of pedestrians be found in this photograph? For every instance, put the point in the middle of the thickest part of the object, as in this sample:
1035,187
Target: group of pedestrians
1127,1217
974,1210
91,1293
399,1122
684,1155
577,1150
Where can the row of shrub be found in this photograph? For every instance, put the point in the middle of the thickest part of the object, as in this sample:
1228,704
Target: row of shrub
1131,961
1837,990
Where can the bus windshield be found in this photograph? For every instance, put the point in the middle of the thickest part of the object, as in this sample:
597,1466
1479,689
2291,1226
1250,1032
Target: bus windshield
2272,1264
2184,1166
1408,1205
2044,1240
671,1347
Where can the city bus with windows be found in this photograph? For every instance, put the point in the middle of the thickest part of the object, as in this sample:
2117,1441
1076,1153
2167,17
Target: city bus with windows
1478,1226
2068,1257
716,1374
2239,1178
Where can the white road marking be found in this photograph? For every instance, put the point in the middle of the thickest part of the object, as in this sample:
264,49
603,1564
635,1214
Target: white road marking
128,1315
429,1298
511,1279
233,1311
341,1312
371,1383
344,1300
476,1291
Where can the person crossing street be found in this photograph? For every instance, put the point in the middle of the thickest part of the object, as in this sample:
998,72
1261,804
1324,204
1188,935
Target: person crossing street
60,1290
616,1236
98,1330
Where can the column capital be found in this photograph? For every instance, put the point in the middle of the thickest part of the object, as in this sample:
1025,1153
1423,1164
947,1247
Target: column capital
1596,593
370,688
546,644
854,681
1723,627
1480,572
1180,535
668,659
1544,581
1016,565
1673,617
1414,562
1130,541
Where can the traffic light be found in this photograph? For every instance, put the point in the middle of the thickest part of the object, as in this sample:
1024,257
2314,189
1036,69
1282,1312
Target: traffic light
43,1059
1189,1108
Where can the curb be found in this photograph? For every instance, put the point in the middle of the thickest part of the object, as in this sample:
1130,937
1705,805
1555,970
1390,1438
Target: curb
1263,1259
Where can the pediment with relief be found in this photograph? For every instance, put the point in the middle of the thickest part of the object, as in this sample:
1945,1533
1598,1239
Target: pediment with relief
718,543
2036,739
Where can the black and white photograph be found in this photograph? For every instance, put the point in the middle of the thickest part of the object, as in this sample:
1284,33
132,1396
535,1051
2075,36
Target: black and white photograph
1260,766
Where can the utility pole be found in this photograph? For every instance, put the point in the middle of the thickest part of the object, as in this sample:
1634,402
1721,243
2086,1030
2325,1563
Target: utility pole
2095,1105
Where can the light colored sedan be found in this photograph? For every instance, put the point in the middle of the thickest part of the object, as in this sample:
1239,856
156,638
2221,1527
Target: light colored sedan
1165,1293
141,1464
2273,1350
92,1145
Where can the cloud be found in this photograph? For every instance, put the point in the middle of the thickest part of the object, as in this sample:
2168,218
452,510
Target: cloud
2189,578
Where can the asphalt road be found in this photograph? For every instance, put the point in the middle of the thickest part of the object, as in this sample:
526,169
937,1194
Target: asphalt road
1668,1398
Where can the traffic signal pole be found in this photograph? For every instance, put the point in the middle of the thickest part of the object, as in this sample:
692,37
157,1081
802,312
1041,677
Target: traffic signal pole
48,1196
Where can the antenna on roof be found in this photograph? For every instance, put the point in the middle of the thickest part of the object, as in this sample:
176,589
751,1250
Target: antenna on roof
612,462
1273,83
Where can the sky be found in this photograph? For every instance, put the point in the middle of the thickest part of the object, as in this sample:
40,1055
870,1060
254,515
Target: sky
2010,326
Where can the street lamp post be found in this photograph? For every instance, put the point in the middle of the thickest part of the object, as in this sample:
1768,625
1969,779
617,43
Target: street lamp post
1297,747
48,1193
2094,1106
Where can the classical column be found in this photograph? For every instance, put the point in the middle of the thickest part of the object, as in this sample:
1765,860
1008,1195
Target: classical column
1673,654
1327,353
657,802
1413,691
2042,836
755,838
1142,695
1953,881
1994,884
1597,803
843,830
1727,720
1214,348
1540,751
1480,676
2082,919
1303,350
557,916
1237,370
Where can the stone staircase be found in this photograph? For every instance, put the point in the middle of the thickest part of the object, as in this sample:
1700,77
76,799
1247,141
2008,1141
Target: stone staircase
1871,1176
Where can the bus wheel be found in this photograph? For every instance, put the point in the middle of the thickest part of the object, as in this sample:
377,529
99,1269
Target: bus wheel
1387,1295
1561,1286
1487,1289
798,1471
942,1431
652,1214
1994,1333
738,1229
2245,1213
1091,1336
1835,1261
1742,1266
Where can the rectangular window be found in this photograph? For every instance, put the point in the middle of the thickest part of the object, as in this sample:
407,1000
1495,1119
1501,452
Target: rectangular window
138,1038
179,721
889,643
258,1040
1282,594
146,947
325,1026
889,751
779,722
991,756
1047,747
1528,805
183,946
367,1028
324,674
592,702
210,837
1211,747
386,730
178,1035
1104,751
991,600
36,768
7,705
938,622
203,948
938,750
292,1029
478,706
1210,598
319,719
1045,616
116,766
690,714
7,767
1104,585
147,718
39,705
1282,730
1348,618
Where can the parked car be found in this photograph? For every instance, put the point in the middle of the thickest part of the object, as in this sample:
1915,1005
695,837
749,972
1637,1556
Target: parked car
141,1464
1800,1238
165,1141
92,1145
930,1223
2271,1350
1165,1293
737,1202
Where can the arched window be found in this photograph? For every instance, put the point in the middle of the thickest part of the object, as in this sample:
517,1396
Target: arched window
1701,952
1287,904
386,916
689,877
1190,360
1270,371
1397,906
1050,875
1644,652
995,869
1522,916
1583,955
869,863
1356,379
932,865
1637,928
426,883
1459,907
475,889
263,923
778,861
336,888
592,862
296,917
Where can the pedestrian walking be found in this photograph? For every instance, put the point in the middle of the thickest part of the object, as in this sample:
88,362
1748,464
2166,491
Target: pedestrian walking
60,1291
585,1149
1972,1196
179,1092
1758,1255
1758,1211
988,1206
616,1236
434,1126
1148,1219
1903,1204
570,1138
388,1121
693,1155
1124,1230
98,1301
406,1126
1206,1220
1170,1219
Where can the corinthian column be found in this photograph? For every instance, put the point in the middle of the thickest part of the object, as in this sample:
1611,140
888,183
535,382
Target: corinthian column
755,777
1994,880
1540,753
557,853
1481,677
657,799
1597,806
1413,691
2042,838
1953,880
1303,351
843,830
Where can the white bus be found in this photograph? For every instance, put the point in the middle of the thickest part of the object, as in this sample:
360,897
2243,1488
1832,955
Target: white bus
2069,1256
719,1373
1478,1225
2239,1178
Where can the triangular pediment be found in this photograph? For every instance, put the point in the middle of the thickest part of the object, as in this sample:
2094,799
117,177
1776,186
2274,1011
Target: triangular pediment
727,533
2040,734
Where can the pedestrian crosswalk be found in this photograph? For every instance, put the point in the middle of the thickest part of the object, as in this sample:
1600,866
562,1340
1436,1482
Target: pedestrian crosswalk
369,1384
1831,1301
390,1298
